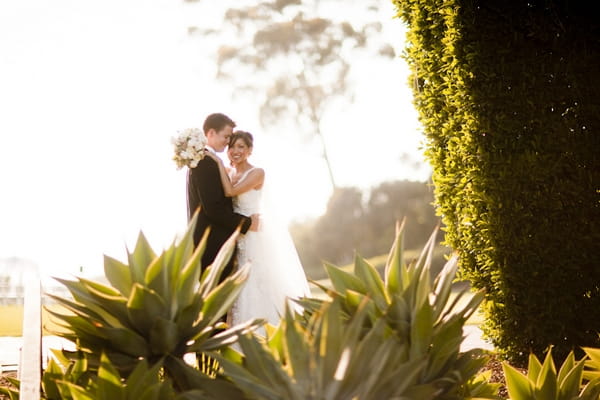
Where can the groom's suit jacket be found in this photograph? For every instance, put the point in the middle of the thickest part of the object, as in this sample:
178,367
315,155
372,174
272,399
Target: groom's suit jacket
205,191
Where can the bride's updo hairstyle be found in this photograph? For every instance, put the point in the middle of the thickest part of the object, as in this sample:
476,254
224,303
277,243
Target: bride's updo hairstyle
243,135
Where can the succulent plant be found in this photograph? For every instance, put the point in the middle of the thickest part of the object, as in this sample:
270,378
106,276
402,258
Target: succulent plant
157,308
541,381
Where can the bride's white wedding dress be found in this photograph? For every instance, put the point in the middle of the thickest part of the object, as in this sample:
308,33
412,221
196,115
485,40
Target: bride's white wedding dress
276,273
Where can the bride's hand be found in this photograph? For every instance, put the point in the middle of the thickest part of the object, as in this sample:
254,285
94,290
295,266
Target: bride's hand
213,156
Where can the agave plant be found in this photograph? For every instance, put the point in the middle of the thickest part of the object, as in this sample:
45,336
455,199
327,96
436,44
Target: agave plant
543,382
371,339
158,307
419,308
592,371
63,369
328,358
72,380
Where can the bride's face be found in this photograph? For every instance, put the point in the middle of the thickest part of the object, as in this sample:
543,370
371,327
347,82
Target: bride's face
238,152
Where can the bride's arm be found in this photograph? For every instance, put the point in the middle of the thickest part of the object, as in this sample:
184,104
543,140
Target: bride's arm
254,179
225,181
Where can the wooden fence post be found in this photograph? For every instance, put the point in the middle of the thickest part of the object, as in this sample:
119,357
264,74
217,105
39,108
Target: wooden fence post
30,367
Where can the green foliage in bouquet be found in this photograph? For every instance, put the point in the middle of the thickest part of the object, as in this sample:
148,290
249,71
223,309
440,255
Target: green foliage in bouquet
543,382
159,308
371,339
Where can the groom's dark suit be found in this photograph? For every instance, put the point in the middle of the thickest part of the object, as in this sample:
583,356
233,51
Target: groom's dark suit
205,190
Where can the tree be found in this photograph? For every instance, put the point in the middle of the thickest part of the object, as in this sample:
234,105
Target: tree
363,222
396,201
299,60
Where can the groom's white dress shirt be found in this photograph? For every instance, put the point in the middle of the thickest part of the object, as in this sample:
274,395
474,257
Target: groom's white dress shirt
207,147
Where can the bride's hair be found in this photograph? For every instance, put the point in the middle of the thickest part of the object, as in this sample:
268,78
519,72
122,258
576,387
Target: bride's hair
245,136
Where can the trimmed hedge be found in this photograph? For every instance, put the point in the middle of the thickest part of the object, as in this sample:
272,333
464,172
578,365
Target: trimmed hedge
509,98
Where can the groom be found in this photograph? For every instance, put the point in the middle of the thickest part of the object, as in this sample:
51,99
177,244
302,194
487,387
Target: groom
205,191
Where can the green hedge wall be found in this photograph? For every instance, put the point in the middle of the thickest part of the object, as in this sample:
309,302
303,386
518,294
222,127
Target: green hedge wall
509,97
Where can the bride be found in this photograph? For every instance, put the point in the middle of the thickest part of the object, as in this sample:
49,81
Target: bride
275,273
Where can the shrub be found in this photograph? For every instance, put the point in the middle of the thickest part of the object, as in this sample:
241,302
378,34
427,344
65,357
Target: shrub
511,112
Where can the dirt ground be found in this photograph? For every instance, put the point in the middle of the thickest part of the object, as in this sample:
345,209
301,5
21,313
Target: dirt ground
497,376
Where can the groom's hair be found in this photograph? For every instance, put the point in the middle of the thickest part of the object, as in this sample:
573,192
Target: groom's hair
217,121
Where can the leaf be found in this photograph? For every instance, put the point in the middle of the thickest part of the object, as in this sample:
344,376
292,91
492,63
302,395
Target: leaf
395,262
109,381
187,317
243,377
157,277
218,301
545,385
164,337
534,368
296,349
140,259
75,392
188,280
213,272
570,385
331,349
188,378
95,315
118,274
566,367
143,306
52,373
591,391
421,331
267,370
106,297
517,384
446,341
370,277
342,280
126,341
423,264
98,301
185,248
226,337
442,287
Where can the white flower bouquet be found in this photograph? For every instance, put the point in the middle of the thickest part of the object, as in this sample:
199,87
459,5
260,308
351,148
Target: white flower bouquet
189,147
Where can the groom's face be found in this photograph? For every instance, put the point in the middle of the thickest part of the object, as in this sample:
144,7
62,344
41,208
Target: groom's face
218,140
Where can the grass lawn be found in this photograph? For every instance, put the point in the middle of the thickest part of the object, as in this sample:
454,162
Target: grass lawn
11,320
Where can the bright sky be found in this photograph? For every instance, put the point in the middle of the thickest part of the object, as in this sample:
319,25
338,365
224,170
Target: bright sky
91,93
